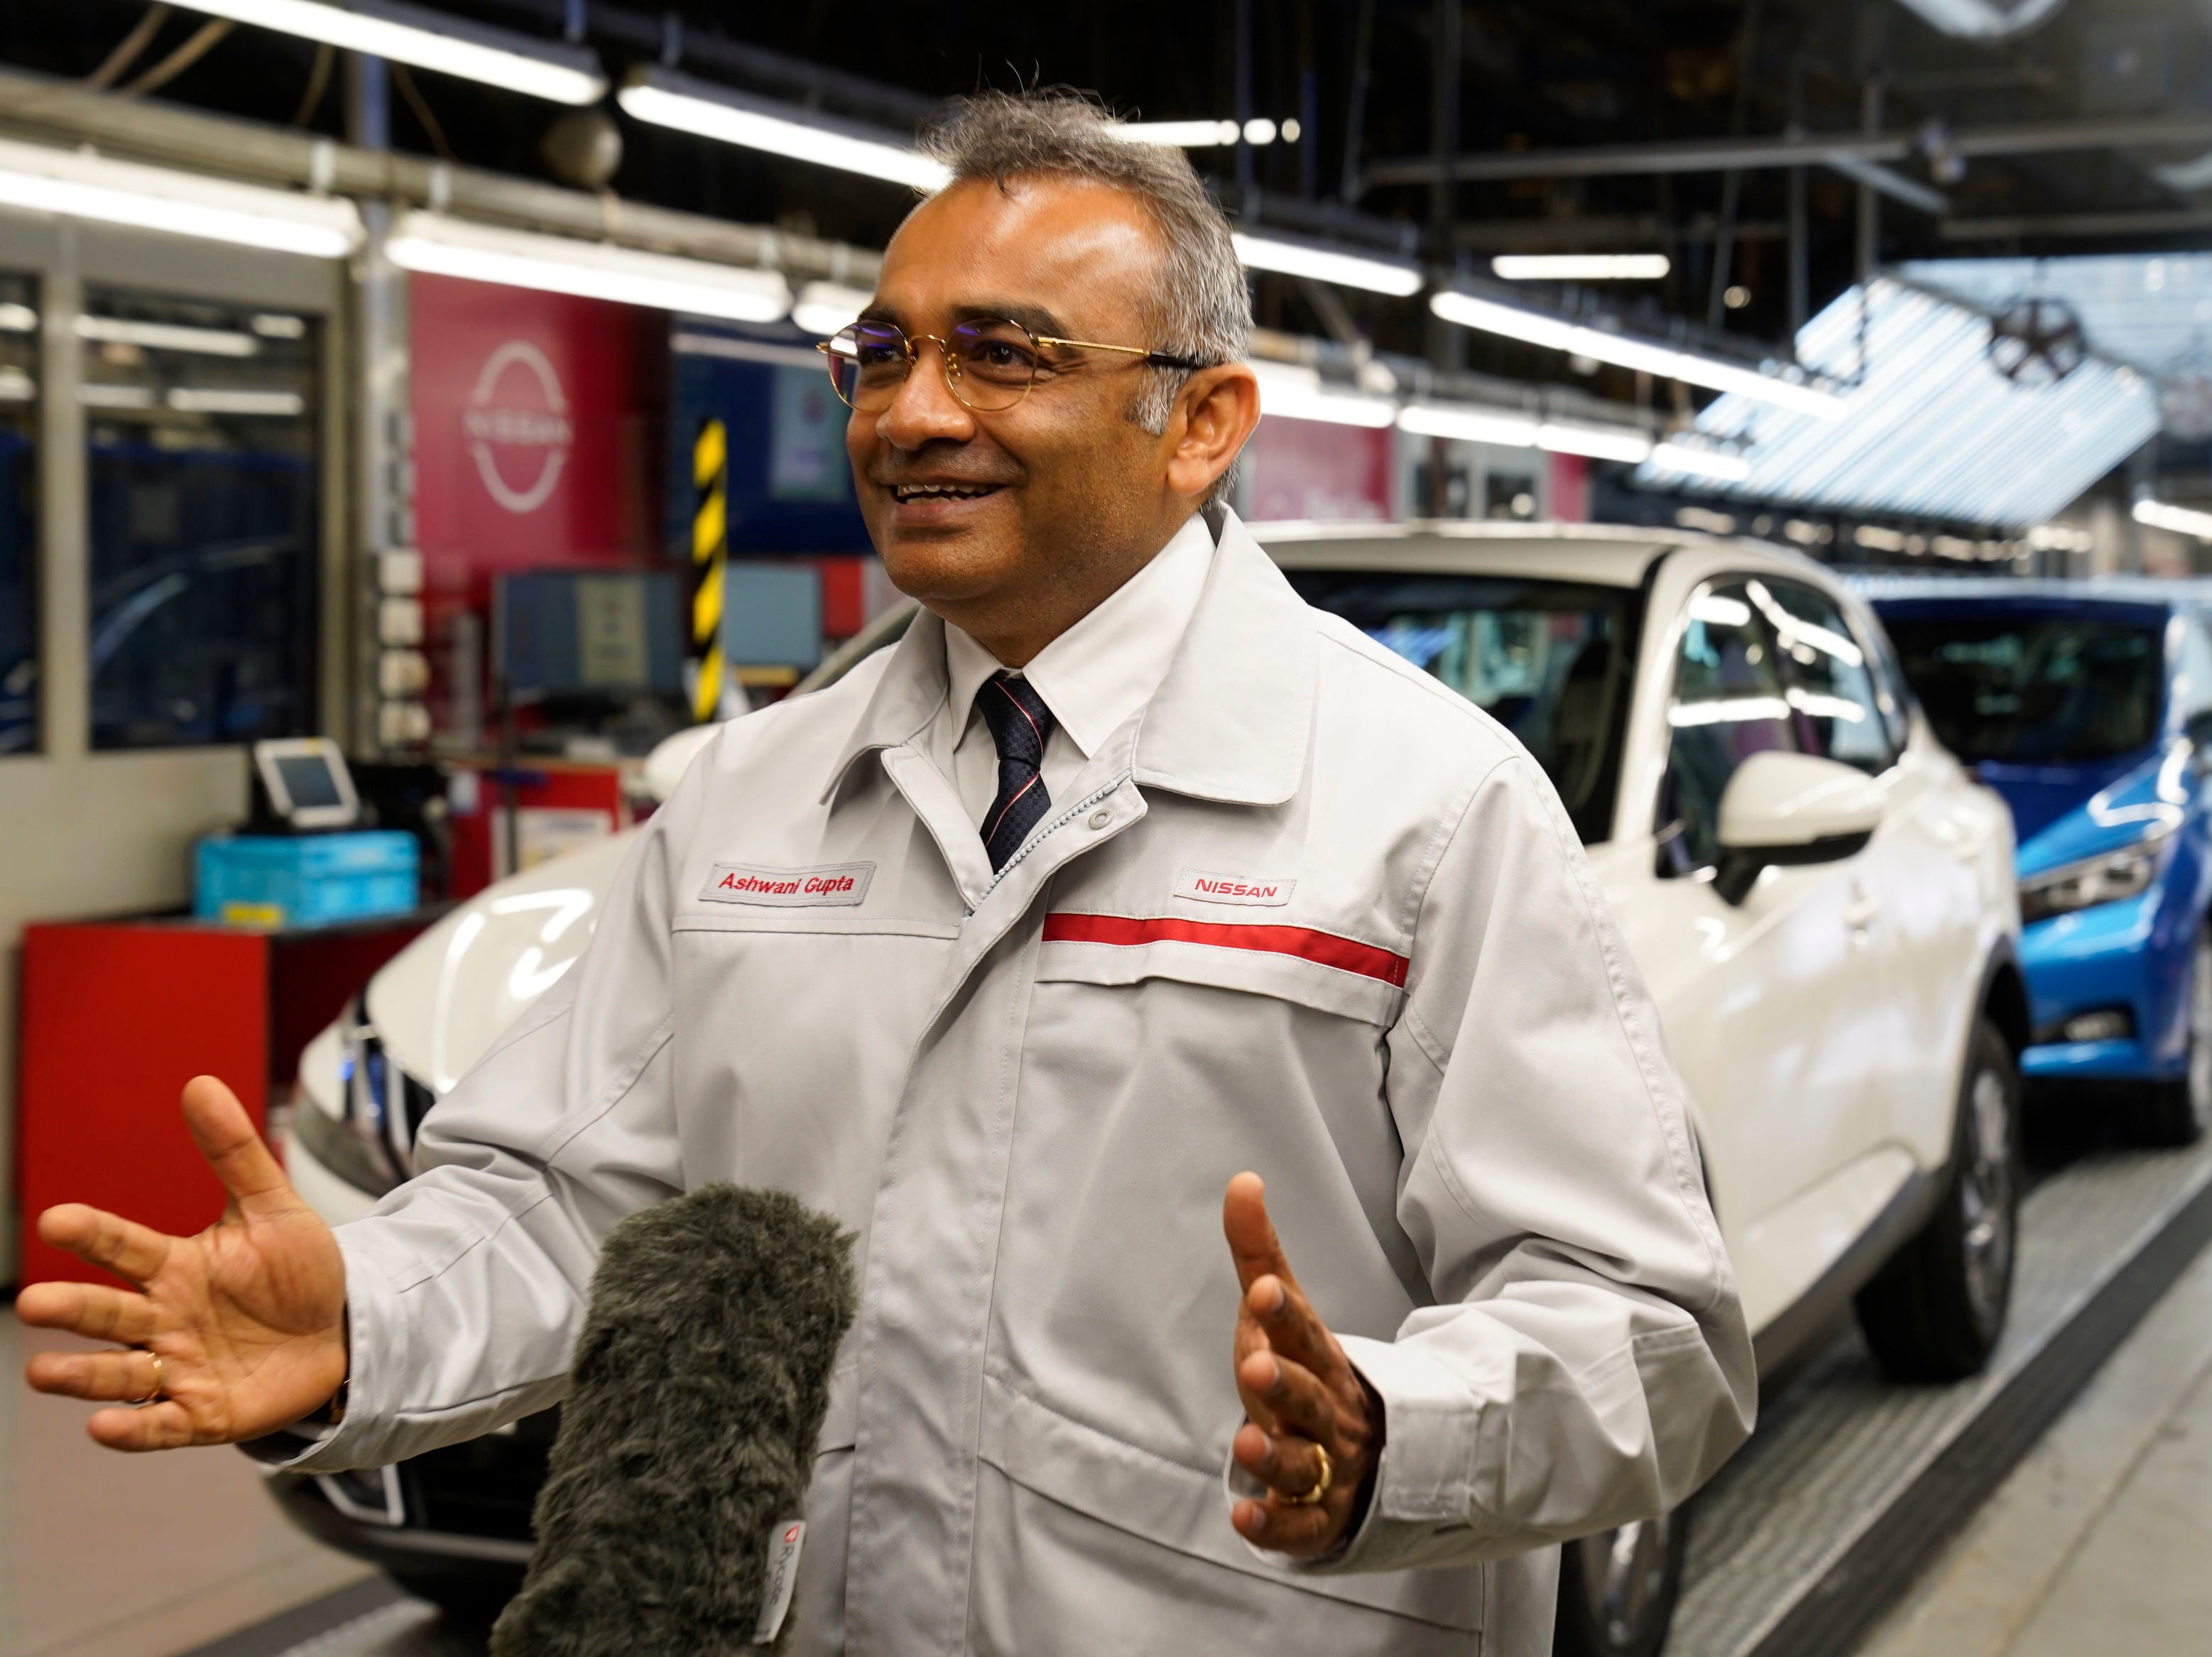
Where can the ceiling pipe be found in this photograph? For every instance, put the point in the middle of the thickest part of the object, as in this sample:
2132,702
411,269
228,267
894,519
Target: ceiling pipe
1810,150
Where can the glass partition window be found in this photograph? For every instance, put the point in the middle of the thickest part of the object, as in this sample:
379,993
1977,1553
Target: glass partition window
202,459
19,475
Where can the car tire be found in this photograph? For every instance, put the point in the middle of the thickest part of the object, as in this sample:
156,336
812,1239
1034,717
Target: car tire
2177,1111
1617,1589
1936,1311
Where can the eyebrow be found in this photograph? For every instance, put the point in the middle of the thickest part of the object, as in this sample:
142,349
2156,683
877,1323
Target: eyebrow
1036,318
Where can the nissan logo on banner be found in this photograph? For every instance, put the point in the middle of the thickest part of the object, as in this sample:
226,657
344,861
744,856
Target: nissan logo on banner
518,427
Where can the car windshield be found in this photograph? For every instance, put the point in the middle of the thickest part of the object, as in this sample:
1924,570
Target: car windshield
1550,660
2033,687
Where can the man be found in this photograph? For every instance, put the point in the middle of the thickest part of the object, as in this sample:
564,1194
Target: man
1123,872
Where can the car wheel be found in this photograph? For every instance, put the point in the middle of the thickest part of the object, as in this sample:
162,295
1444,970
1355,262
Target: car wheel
1935,1312
2177,1113
1617,1589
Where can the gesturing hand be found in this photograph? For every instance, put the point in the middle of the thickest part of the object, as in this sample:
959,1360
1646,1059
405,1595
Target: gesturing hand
1301,1395
247,1318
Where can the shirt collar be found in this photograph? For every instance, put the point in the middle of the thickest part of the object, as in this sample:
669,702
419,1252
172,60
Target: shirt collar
1232,721
1097,676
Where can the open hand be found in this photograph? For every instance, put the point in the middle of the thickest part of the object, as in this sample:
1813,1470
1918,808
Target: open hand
247,1318
1301,1395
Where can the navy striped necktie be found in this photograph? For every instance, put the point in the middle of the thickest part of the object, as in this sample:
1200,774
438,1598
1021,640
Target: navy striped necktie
1020,725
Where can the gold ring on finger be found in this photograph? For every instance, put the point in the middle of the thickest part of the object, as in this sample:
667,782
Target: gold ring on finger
154,1394
1307,1498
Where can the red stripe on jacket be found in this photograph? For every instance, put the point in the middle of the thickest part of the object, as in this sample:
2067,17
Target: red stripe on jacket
1345,954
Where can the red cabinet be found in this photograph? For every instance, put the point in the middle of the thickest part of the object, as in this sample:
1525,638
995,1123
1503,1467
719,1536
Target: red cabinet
117,1015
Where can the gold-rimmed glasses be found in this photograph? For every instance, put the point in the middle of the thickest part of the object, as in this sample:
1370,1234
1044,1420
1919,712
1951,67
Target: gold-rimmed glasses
990,361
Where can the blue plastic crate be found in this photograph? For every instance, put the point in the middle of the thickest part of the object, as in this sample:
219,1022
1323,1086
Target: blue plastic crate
307,879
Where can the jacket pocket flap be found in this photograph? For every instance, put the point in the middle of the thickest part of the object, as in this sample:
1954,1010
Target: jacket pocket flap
1320,970
1183,1508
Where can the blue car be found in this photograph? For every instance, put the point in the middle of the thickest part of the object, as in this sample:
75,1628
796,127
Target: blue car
2088,706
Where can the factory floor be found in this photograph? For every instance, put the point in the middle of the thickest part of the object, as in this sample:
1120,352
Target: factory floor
2097,1542
113,1555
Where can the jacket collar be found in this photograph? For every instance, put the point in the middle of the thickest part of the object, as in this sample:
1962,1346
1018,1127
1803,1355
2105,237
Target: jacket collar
1233,718
1230,722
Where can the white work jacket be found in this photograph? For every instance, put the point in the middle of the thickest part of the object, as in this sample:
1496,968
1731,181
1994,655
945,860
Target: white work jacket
1308,913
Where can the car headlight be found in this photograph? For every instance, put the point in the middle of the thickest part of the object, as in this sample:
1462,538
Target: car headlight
2106,878
385,1105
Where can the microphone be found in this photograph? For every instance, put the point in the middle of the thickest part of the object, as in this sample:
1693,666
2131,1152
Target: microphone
671,1522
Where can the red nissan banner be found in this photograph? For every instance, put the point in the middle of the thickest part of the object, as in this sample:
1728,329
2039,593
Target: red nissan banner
1311,469
539,441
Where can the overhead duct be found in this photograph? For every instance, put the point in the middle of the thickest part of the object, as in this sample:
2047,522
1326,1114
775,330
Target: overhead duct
1983,20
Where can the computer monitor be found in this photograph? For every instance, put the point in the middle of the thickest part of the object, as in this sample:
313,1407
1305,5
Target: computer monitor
306,782
559,632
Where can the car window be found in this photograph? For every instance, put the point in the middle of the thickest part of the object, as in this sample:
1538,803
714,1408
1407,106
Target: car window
1730,702
1550,660
1830,684
2034,684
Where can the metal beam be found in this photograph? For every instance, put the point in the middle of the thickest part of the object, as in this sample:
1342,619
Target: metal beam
2152,221
1895,185
38,106
1809,149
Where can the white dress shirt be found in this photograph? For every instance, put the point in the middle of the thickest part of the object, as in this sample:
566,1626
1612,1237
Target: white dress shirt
1094,676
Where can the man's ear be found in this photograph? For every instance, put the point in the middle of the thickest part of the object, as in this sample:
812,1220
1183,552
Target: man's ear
1214,416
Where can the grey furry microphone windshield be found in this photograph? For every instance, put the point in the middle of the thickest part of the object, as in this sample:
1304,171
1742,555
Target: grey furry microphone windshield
667,1524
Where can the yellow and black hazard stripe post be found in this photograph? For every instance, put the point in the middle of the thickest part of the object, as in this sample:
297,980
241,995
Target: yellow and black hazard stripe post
710,556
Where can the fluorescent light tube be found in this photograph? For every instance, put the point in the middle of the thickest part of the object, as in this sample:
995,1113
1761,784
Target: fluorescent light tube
71,185
1302,258
823,308
665,98
1557,333
165,336
18,319
95,395
1182,135
429,40
1296,393
15,386
1581,267
1598,442
193,399
439,245
1468,423
1695,462
2161,515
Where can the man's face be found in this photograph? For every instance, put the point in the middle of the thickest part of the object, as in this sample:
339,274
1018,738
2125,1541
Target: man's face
1065,483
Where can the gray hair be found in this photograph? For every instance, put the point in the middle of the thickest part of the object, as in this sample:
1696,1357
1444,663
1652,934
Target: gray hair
1203,312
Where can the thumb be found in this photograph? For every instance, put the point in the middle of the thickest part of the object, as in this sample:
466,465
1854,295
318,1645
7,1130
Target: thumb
224,1133
1251,1241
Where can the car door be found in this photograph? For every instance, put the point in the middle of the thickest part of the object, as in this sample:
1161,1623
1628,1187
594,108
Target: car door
1765,1002
1915,891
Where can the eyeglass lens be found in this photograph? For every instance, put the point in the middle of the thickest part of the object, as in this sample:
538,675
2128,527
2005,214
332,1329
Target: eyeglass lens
989,363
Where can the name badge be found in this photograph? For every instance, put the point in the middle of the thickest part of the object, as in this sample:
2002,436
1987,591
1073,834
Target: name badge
1232,889
832,885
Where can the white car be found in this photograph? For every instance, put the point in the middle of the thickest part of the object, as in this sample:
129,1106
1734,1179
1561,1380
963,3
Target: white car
1821,898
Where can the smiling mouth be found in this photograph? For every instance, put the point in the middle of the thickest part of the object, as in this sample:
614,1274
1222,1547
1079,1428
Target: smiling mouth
904,493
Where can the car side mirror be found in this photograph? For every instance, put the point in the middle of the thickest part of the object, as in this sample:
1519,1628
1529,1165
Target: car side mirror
2198,730
1791,808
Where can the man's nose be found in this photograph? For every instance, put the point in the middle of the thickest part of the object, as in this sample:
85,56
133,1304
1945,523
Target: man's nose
925,410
